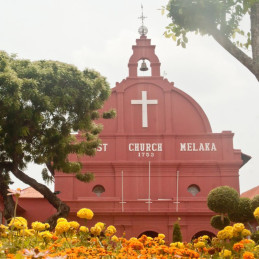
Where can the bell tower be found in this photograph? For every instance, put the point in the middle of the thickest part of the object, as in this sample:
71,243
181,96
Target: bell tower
143,50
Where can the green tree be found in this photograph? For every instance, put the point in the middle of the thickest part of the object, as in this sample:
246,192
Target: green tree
177,234
243,213
41,103
223,199
254,203
221,19
218,223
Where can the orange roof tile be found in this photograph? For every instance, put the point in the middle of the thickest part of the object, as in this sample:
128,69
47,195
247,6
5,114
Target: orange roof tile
30,193
251,193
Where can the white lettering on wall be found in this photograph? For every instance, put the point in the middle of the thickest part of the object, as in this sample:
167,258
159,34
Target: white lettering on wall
146,149
198,147
102,147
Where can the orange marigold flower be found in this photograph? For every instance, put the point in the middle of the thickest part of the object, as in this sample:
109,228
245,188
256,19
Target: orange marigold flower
248,255
238,246
136,245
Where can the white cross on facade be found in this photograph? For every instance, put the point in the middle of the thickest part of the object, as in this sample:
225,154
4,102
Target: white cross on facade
144,102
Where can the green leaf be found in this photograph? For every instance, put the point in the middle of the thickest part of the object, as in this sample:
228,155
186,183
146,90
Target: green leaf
185,39
183,44
173,36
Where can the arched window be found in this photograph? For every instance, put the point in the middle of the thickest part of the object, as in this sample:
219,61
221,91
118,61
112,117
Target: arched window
98,190
149,233
194,189
203,233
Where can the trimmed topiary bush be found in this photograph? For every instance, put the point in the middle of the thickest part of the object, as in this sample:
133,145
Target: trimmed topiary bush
217,222
223,199
177,234
254,203
243,213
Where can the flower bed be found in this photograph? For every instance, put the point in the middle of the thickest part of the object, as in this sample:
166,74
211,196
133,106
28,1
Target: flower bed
70,240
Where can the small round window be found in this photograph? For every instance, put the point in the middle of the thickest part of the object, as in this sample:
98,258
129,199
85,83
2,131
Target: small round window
194,189
98,190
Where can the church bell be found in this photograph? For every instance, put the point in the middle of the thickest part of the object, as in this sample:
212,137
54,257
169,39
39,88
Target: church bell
143,66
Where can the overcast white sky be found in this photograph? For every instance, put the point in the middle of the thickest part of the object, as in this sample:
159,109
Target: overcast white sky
99,34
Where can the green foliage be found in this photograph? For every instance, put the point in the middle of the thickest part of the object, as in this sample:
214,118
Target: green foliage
224,20
254,203
223,199
243,213
109,115
217,222
203,16
86,177
42,102
177,235
47,178
255,237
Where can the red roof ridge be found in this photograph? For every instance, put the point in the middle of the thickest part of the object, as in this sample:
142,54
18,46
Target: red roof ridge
30,192
251,193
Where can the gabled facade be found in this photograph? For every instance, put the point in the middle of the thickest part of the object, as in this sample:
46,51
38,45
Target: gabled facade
158,159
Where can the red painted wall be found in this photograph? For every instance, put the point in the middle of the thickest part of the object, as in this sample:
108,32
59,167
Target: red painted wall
177,138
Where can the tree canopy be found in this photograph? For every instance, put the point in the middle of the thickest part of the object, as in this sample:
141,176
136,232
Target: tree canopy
221,19
223,199
42,102
243,213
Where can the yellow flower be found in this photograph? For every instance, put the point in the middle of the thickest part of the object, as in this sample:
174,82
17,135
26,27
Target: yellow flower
46,234
114,239
226,253
111,230
47,226
85,214
61,219
38,226
96,230
73,224
238,227
199,244
256,213
226,233
83,229
228,228
246,233
27,232
203,238
62,227
18,222
177,244
161,236
3,228
133,239
100,225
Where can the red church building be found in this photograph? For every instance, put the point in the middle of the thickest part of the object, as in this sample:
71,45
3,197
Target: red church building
158,159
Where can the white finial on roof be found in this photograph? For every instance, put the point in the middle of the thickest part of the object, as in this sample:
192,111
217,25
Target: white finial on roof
142,29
